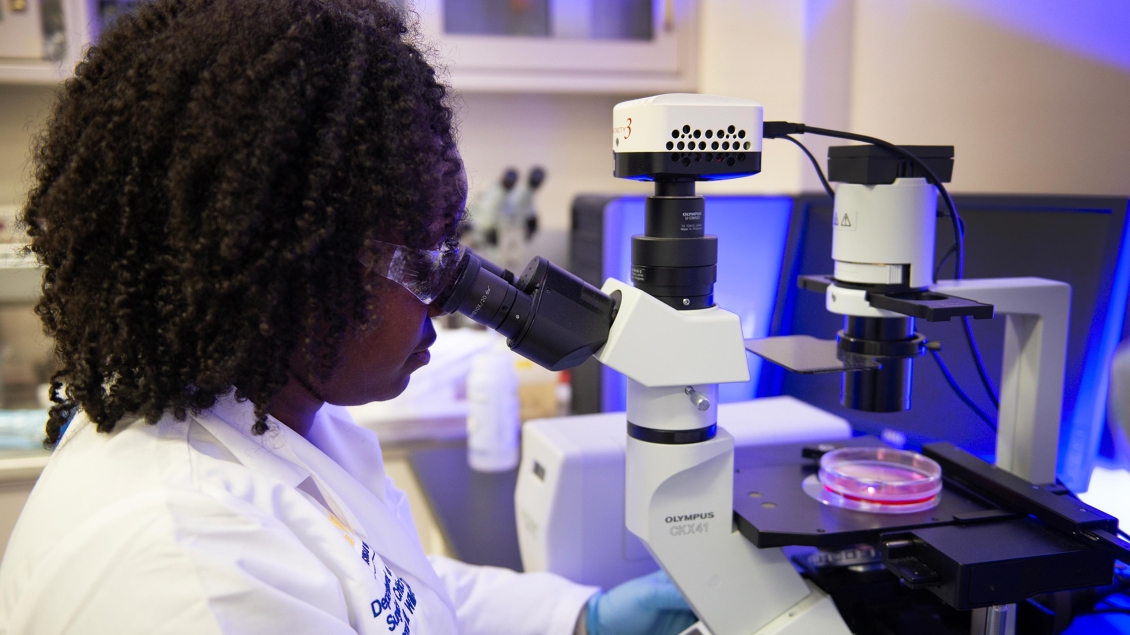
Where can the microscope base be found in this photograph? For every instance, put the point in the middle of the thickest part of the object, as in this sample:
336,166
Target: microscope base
814,615
680,504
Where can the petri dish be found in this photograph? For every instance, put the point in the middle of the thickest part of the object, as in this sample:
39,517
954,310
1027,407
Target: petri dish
877,480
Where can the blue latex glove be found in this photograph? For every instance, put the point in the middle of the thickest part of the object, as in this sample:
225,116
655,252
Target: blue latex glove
648,605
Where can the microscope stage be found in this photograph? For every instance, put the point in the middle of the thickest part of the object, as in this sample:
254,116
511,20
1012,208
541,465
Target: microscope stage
773,510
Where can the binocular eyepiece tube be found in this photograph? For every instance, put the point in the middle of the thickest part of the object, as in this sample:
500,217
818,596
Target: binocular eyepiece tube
486,294
548,315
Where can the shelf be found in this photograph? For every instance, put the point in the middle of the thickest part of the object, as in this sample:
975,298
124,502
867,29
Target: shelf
666,62
32,73
79,29
20,278
574,83
24,466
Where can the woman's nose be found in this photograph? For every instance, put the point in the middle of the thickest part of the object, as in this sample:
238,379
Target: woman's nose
434,310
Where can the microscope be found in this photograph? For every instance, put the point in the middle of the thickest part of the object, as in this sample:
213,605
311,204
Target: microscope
685,500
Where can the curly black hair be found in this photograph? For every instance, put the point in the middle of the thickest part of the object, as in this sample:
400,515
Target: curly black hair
206,186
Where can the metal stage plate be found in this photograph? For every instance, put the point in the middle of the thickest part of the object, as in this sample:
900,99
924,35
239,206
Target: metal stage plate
807,355
772,510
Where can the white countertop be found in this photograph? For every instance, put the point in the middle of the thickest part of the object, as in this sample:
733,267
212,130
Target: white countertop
21,467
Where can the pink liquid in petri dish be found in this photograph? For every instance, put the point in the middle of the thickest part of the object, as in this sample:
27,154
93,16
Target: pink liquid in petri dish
879,479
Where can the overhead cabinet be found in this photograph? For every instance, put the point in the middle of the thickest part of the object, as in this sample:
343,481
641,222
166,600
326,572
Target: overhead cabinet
590,46
41,40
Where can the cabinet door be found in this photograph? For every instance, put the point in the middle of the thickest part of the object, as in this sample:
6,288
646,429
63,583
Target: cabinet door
603,46
21,30
41,40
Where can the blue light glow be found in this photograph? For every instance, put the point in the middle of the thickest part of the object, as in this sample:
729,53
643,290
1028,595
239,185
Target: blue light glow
1083,427
1097,30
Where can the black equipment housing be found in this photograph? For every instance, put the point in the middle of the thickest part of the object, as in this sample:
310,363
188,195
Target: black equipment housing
674,260
872,165
993,539
699,165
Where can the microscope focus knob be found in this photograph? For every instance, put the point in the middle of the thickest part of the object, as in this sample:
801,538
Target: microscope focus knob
698,399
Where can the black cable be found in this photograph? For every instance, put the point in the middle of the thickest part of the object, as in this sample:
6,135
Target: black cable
949,252
961,393
815,164
942,262
980,363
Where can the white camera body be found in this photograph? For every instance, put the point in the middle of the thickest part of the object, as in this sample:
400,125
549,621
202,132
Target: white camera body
704,137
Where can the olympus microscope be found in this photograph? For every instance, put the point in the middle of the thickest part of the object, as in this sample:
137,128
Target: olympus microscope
684,499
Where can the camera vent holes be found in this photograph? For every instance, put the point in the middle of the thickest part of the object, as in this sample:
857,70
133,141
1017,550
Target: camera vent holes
686,158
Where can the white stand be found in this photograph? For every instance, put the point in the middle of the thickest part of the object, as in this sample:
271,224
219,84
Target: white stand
679,497
1037,314
1035,352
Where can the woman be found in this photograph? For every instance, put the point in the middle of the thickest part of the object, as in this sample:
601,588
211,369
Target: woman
210,195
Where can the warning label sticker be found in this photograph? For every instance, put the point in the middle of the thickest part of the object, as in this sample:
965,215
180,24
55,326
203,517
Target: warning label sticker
845,219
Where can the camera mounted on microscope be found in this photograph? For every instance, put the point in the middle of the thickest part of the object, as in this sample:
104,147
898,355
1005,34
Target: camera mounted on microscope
675,140
556,319
684,137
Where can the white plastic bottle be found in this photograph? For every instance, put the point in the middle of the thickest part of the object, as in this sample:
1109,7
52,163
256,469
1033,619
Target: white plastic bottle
493,426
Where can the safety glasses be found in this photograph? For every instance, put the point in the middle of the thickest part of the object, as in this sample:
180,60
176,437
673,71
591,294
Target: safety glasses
424,273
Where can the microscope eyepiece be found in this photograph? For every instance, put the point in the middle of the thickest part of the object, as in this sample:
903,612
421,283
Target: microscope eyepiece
548,315
485,293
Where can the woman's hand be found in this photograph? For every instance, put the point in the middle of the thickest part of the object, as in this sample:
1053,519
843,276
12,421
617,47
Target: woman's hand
648,605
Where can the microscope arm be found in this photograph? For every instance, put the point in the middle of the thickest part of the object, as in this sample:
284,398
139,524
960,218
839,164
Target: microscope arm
680,471
1035,354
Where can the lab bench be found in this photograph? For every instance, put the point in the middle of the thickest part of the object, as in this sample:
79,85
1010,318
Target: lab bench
474,510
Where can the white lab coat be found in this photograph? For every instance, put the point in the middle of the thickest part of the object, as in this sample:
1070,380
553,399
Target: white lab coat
199,526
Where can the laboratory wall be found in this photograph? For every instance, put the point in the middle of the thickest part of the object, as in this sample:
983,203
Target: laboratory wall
568,135
1032,93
